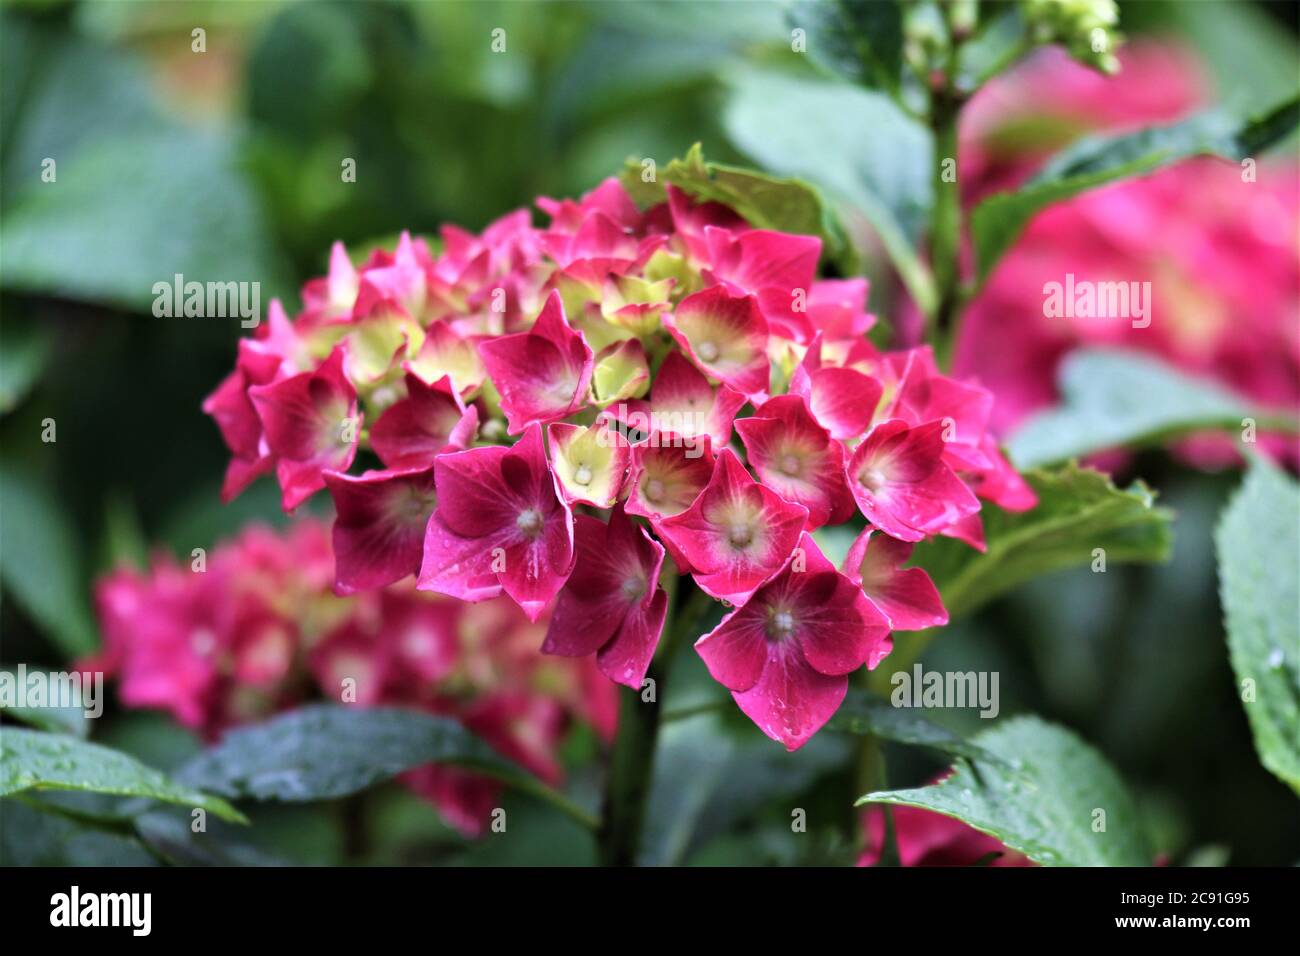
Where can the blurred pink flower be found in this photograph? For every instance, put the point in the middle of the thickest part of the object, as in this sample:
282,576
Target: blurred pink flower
1221,252
257,628
926,838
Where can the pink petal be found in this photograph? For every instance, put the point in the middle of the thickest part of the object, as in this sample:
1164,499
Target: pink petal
542,374
458,566
612,601
791,701
691,219
761,258
1000,483
380,525
837,309
242,472
500,524
667,473
536,568
591,608
726,336
306,419
627,657
843,400
472,498
902,485
796,457
906,596
969,530
683,401
403,281
412,431
736,533
736,650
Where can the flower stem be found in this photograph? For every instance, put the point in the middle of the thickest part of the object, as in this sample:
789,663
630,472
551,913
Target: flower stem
631,768
628,786
946,101
945,222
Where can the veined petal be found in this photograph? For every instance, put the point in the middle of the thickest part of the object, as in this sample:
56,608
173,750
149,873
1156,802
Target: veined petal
736,533
380,525
725,335
790,701
798,459
667,473
446,353
311,424
902,484
906,596
612,602
414,430
589,463
542,374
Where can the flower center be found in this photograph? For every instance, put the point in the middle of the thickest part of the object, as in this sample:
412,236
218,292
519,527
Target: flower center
582,475
780,625
529,522
790,465
707,351
203,642
633,587
740,535
872,478
654,490
417,506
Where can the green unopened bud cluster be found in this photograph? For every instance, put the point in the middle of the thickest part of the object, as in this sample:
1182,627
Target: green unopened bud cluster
1086,28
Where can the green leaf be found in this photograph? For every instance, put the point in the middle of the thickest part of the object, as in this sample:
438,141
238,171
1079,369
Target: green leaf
324,752
169,833
1042,799
1251,60
707,781
61,91
739,24
857,145
33,760
56,719
1112,398
26,352
1078,511
1258,546
998,221
34,837
40,564
862,40
178,204
174,199
768,202
864,713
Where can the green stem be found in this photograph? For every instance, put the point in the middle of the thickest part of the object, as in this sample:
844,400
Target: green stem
946,101
945,217
628,787
631,768
685,713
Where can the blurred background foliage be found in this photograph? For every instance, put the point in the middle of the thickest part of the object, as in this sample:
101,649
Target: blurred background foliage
226,166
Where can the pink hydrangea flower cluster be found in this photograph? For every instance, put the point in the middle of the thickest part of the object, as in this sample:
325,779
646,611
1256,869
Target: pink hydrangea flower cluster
1224,277
568,415
258,629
